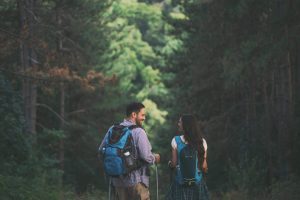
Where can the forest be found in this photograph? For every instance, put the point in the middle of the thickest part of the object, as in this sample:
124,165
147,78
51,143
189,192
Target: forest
69,68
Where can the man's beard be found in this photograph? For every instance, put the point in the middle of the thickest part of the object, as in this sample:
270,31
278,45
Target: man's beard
139,123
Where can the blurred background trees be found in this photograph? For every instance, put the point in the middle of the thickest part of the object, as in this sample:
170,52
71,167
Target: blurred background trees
68,68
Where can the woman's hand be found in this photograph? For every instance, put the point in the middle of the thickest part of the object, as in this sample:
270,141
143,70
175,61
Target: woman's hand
170,165
204,166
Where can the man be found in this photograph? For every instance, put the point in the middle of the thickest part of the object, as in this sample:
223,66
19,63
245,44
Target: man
135,185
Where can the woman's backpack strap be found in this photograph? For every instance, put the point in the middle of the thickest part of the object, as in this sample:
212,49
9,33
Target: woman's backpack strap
179,143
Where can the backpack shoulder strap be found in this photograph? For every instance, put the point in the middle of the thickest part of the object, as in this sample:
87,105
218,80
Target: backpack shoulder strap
108,134
118,126
180,143
178,140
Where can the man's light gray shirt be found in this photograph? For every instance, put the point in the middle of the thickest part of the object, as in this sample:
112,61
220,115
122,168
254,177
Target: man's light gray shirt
143,149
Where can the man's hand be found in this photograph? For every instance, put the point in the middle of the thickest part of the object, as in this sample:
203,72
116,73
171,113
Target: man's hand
157,158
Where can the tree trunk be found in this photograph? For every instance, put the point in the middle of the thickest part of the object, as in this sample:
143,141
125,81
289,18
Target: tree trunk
62,86
253,115
62,124
268,138
28,62
283,121
290,71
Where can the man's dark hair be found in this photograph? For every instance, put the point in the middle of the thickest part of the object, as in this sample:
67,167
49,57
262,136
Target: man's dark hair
133,107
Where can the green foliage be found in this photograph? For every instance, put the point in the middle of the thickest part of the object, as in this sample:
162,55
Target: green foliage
247,178
81,164
156,118
233,57
27,188
131,29
286,189
234,195
24,175
226,61
14,146
173,45
91,194
279,190
48,147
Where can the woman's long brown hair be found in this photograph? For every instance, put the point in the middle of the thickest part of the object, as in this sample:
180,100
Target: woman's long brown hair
193,135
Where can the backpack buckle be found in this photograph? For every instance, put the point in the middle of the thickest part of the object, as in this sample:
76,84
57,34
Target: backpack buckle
189,183
193,182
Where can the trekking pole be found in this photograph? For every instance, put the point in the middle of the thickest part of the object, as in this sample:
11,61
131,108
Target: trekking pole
171,170
171,175
109,189
156,181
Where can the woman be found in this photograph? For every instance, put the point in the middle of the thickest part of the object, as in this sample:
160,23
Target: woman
192,138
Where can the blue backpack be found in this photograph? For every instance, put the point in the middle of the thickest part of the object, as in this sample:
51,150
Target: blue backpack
187,169
118,152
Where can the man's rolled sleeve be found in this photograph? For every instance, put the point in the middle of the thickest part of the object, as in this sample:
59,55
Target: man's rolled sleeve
144,147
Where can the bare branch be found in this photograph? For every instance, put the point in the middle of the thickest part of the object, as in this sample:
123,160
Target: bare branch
76,111
55,113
